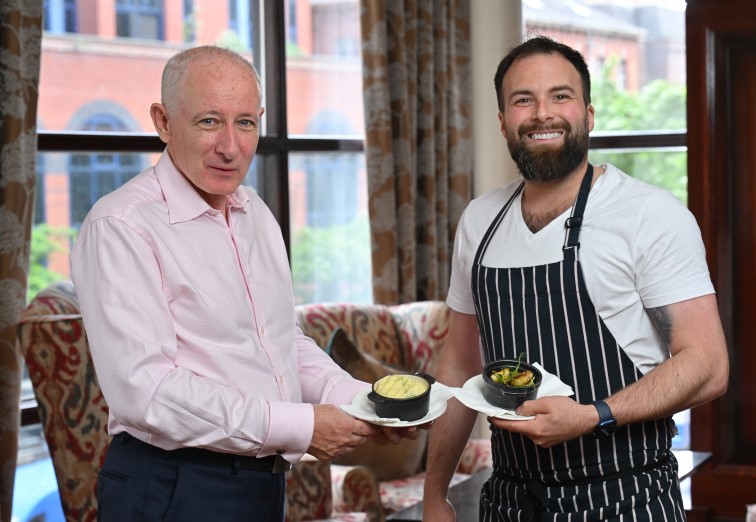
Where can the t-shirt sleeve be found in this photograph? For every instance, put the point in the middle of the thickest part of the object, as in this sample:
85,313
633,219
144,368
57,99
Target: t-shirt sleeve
460,296
670,254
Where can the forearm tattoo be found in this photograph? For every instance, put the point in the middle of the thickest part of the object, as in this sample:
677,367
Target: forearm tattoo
661,318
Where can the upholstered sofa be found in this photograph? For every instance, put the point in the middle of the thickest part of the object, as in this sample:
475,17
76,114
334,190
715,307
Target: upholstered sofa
365,485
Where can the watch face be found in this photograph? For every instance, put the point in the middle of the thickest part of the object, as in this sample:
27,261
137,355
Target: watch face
606,430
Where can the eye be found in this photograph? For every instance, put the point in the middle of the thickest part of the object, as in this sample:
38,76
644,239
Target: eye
248,123
207,122
523,101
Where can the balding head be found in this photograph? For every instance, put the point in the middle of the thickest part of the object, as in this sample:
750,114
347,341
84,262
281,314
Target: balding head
176,67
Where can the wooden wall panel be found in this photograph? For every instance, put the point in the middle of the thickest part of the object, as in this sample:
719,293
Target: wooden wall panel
721,49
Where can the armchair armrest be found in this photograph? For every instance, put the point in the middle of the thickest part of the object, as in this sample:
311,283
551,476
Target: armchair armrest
308,490
355,489
475,457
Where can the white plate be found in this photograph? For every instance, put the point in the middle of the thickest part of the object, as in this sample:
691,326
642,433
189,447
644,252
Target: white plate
471,395
362,408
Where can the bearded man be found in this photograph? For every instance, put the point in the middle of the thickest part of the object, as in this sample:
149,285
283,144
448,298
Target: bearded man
602,280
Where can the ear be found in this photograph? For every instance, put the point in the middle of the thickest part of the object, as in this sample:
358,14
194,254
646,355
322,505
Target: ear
502,125
159,116
590,114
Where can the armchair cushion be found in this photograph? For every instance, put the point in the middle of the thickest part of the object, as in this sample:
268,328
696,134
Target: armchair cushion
354,361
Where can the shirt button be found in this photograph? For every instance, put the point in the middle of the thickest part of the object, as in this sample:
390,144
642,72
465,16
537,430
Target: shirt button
280,379
261,330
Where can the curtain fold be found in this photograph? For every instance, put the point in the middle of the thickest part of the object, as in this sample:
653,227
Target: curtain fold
20,44
416,68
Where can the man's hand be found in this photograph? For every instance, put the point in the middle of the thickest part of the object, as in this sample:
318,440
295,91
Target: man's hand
557,419
336,433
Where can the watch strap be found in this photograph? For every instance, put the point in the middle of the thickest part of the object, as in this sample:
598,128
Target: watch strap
607,422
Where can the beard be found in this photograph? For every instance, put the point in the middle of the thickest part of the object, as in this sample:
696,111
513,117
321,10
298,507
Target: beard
547,163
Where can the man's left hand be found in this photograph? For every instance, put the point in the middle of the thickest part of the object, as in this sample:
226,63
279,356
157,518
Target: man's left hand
557,419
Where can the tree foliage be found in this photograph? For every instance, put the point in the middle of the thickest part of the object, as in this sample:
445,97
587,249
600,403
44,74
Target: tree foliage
44,241
658,105
332,263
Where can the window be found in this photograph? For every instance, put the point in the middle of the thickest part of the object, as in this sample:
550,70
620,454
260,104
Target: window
239,22
94,175
60,16
190,21
139,19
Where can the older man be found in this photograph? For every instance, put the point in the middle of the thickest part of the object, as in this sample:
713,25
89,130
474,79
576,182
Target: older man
187,299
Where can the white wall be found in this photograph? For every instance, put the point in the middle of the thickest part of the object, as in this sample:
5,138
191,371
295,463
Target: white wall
496,26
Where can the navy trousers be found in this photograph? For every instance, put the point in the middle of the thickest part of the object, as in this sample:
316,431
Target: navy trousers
142,483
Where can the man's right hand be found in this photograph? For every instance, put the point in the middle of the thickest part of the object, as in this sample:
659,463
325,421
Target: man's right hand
336,433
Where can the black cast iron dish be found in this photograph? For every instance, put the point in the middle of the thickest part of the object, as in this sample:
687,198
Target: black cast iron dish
409,409
509,397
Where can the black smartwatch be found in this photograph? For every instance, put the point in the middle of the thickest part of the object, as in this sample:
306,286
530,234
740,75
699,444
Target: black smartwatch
607,422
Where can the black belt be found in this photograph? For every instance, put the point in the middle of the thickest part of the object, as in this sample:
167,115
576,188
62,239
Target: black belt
269,464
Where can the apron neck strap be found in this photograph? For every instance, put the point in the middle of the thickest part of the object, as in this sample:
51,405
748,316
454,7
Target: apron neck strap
575,221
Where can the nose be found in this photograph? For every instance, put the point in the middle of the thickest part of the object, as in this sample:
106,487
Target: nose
227,144
541,110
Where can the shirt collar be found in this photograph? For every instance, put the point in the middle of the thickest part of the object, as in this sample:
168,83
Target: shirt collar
183,201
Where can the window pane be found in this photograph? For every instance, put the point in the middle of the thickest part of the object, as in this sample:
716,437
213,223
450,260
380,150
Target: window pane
635,53
323,68
330,235
664,168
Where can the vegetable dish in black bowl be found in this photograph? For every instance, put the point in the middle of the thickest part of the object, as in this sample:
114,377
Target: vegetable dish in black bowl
510,382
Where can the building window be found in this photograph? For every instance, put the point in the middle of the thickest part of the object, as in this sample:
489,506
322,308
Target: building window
622,75
190,21
91,176
239,22
139,19
60,16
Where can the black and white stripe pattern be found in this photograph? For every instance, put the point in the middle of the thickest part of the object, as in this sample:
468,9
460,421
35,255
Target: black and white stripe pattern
545,311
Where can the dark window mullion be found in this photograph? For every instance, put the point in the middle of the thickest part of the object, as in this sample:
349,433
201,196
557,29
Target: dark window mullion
277,180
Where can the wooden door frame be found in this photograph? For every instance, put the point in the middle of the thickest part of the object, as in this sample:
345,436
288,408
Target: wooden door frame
715,30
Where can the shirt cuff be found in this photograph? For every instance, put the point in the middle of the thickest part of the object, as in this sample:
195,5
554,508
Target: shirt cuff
289,430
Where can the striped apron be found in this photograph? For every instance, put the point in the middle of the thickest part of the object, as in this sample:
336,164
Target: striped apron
546,312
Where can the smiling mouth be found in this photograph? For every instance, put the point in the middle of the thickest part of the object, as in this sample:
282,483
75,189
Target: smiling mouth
540,136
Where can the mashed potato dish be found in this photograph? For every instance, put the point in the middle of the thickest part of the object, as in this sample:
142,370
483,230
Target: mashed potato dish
401,386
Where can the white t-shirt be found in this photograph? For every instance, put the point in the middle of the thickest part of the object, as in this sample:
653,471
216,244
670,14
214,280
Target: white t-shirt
640,248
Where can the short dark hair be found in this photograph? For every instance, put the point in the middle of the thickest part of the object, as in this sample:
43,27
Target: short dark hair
542,45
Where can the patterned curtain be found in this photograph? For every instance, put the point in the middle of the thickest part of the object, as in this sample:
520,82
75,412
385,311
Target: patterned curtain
20,40
418,109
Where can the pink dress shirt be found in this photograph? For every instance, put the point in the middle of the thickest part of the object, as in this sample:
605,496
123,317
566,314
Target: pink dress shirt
191,321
